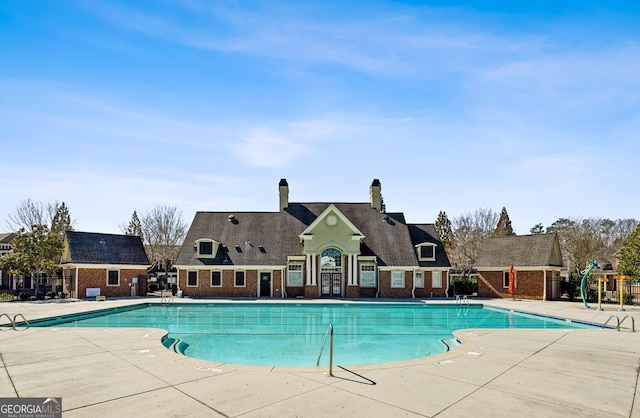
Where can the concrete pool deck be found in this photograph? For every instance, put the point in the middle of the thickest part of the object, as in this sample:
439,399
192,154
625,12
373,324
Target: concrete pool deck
494,373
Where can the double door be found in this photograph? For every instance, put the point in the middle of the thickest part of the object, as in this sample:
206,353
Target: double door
331,284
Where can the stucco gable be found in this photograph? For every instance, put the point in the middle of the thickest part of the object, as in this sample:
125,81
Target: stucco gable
330,218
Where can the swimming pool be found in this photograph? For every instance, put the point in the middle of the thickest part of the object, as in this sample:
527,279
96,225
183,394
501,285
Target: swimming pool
291,334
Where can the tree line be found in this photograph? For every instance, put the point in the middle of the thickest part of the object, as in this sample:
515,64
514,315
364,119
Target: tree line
39,236
39,233
581,239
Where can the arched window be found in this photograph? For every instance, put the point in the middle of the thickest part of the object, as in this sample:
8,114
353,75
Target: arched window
331,258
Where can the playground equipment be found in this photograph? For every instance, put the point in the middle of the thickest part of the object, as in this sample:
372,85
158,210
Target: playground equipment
600,281
590,266
621,280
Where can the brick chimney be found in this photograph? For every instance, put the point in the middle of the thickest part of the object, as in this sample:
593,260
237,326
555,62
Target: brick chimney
283,187
375,195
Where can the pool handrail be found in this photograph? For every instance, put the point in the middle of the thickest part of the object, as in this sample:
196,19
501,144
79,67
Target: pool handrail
13,322
10,324
633,323
329,332
24,321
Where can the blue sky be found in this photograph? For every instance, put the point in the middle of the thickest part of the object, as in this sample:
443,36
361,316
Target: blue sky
115,106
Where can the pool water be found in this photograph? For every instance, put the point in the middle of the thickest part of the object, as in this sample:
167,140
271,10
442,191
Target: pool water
292,334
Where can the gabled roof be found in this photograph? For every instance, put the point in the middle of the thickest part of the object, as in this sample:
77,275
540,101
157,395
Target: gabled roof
427,233
537,250
267,238
97,248
332,210
6,237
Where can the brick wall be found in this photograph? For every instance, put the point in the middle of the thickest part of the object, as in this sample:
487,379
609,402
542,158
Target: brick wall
96,277
529,284
386,291
228,288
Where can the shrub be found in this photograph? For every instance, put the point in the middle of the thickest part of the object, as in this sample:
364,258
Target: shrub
464,286
25,296
6,297
153,287
569,288
51,295
40,295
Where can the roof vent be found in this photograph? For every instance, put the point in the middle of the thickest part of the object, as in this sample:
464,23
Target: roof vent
261,248
232,219
238,249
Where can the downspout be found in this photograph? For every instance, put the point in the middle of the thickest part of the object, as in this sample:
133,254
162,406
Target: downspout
283,294
446,292
378,283
544,287
413,290
77,294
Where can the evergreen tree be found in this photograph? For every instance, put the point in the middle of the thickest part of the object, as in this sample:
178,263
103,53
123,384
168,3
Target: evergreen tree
503,228
443,226
35,252
629,255
61,221
135,226
537,229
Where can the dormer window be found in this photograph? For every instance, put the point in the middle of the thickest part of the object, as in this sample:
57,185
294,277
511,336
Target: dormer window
426,251
207,248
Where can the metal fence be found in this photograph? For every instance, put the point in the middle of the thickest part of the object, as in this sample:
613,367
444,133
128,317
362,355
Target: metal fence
570,290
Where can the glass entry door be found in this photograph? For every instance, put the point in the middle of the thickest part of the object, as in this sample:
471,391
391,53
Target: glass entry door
331,284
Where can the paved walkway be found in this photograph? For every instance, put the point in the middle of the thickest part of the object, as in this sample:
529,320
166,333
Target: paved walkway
494,373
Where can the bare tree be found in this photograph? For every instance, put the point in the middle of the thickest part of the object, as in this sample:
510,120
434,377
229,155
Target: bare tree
469,232
163,230
593,238
29,213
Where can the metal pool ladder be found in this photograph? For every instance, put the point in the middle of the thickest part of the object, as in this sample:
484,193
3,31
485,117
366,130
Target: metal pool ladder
13,322
620,321
462,300
326,334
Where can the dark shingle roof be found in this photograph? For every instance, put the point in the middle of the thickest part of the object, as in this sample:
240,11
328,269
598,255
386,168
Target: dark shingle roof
386,235
421,233
520,250
6,237
96,248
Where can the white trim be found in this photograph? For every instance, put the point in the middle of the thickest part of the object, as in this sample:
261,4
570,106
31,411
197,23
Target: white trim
197,278
519,268
356,234
244,276
426,244
375,275
105,266
296,258
211,278
432,279
403,279
107,274
297,271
